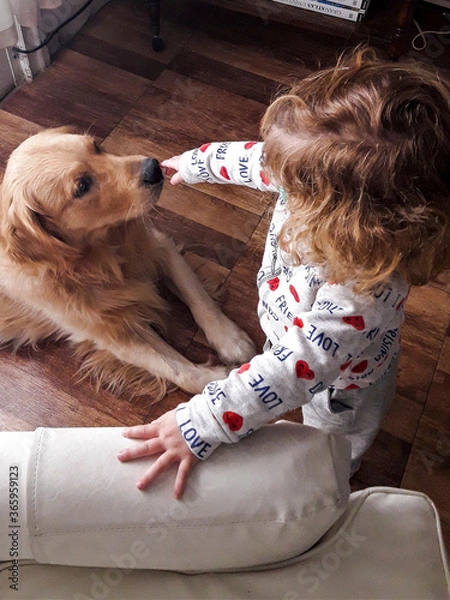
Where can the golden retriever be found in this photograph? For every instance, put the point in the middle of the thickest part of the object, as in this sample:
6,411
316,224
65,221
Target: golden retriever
79,260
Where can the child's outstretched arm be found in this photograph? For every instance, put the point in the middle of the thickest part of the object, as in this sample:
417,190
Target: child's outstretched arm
221,162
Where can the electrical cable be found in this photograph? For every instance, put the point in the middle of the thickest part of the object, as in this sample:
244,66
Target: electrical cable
50,36
422,35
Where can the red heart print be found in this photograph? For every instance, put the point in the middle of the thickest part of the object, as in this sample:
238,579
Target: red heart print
205,147
249,145
352,386
244,367
264,178
233,420
357,322
360,367
274,283
303,371
345,365
224,173
298,322
294,293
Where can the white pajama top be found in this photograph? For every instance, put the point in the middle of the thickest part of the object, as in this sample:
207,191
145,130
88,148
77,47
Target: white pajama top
322,335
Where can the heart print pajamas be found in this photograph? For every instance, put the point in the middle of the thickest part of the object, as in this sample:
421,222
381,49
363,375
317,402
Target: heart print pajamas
330,350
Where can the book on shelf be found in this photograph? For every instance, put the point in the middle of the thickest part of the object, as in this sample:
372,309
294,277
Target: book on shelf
443,3
331,9
355,4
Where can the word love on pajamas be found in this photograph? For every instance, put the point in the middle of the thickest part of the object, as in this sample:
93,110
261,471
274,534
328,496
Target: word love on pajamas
198,446
319,334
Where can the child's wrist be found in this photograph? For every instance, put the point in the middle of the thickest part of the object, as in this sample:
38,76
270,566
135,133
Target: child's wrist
190,433
187,167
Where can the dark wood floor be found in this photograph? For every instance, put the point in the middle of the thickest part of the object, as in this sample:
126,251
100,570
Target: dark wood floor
213,82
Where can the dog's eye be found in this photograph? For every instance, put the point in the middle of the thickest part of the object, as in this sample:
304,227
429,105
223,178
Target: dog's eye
83,186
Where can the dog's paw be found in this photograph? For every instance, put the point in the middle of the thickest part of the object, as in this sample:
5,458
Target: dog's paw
204,374
235,346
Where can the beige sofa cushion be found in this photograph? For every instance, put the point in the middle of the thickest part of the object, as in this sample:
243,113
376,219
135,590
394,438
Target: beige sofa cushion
388,545
266,499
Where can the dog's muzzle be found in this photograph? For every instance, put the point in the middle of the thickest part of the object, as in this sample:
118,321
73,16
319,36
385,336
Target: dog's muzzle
151,173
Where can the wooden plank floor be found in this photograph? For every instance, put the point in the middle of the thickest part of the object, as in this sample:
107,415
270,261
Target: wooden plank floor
212,82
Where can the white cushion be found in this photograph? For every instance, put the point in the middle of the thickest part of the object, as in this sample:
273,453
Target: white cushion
388,545
266,499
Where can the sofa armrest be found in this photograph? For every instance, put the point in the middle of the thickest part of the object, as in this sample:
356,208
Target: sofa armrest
268,498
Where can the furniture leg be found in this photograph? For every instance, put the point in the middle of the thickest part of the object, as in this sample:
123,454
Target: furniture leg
403,25
155,19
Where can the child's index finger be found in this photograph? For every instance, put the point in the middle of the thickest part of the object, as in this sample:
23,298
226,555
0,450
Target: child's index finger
139,431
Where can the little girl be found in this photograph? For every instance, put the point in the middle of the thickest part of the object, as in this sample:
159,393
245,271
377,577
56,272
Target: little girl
360,156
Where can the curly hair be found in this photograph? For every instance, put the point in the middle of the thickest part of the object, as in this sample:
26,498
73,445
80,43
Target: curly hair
362,151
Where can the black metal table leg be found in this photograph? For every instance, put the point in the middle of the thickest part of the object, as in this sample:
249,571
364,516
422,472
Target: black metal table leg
155,19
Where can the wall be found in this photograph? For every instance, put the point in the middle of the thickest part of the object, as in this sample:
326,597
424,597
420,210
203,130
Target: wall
6,77
11,74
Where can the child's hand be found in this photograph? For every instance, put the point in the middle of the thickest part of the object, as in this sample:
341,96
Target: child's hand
170,169
163,438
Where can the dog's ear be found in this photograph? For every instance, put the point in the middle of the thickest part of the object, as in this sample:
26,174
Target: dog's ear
29,236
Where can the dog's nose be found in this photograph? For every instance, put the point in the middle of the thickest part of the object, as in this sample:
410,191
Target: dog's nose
151,172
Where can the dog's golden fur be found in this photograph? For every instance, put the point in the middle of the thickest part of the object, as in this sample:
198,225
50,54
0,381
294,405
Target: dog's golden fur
79,260
362,150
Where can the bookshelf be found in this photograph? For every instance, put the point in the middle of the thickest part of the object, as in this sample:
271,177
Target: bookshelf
387,24
386,21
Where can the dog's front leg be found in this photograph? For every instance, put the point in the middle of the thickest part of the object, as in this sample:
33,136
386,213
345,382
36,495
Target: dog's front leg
122,338
153,354
232,344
